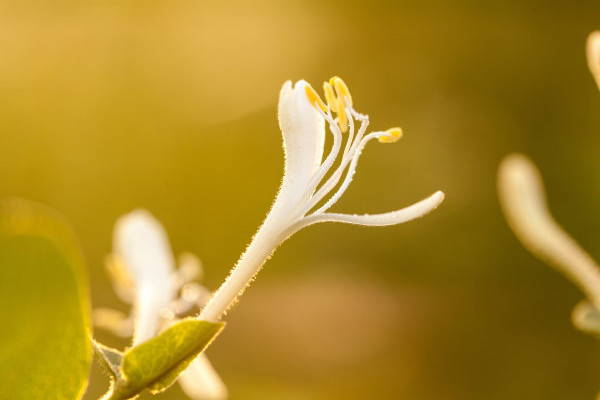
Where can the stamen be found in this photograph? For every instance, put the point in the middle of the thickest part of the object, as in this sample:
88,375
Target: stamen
350,137
335,149
341,90
349,174
314,98
342,118
330,97
344,101
392,135
357,115
346,158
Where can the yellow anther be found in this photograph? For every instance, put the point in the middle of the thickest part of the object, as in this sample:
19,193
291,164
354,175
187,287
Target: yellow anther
342,117
314,98
393,134
341,89
330,97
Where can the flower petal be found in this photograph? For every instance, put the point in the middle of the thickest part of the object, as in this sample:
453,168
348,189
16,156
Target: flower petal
200,381
142,244
303,130
390,218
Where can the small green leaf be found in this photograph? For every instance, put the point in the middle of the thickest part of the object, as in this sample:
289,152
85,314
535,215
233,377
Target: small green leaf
586,318
44,346
158,362
110,358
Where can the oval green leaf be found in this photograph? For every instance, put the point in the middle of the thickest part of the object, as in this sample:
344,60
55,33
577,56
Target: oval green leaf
156,364
44,347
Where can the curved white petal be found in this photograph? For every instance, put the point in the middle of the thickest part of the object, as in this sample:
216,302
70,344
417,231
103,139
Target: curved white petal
593,55
523,202
303,130
200,381
141,242
390,218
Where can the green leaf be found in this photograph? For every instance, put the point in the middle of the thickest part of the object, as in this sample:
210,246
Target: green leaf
44,346
110,358
156,364
586,318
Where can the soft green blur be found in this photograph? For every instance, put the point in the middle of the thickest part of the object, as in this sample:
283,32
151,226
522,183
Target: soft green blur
171,106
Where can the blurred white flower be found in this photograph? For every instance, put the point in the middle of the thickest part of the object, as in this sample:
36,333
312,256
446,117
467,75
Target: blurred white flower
144,275
301,200
525,208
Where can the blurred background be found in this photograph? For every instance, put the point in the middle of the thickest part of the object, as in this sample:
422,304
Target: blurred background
171,105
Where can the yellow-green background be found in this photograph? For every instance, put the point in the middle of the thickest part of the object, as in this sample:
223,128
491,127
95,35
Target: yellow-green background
171,106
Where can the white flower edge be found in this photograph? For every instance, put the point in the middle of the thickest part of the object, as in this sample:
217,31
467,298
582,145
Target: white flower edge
523,202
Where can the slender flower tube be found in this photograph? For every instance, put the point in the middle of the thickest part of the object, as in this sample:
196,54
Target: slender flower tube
523,202
303,196
144,274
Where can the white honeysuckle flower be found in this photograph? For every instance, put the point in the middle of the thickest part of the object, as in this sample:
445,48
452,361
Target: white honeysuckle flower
144,274
301,200
523,201
593,55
